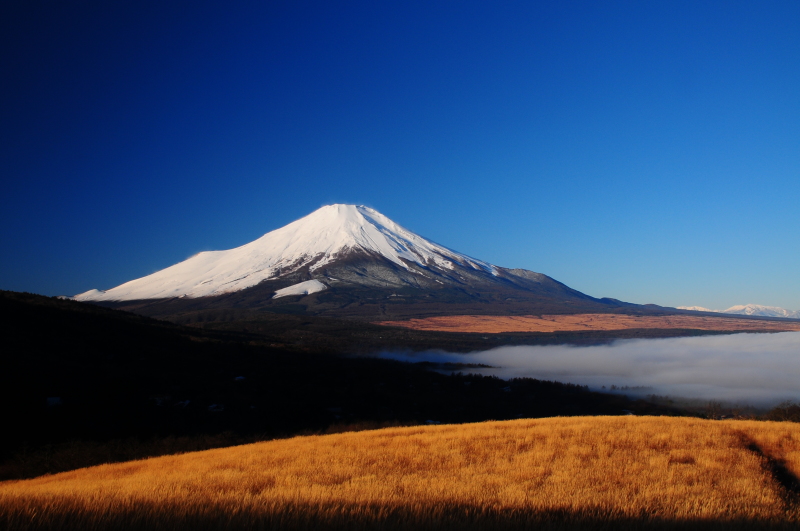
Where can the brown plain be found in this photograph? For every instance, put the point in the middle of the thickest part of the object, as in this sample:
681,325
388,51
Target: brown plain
557,473
492,324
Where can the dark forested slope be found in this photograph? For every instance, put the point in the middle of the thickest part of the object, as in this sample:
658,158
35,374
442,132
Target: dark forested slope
72,371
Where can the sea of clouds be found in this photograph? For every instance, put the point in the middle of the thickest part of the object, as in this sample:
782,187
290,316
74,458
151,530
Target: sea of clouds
756,369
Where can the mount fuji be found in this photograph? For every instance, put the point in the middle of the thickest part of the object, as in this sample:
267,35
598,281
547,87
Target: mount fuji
332,234
342,257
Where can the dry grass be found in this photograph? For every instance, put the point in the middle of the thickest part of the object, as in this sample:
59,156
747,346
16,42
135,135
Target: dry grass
580,472
493,324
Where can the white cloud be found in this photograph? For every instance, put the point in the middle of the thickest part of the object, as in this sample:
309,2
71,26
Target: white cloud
759,369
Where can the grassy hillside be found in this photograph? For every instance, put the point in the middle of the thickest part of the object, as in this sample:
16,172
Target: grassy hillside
560,473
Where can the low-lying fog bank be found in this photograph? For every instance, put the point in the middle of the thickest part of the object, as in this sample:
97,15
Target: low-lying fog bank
756,369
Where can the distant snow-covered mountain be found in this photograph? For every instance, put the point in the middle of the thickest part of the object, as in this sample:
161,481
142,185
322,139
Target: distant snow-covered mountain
762,311
757,310
696,309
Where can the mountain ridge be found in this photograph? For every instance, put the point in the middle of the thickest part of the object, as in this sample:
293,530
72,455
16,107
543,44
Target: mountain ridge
755,310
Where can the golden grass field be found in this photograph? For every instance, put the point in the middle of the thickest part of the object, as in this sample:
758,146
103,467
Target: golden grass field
558,473
493,324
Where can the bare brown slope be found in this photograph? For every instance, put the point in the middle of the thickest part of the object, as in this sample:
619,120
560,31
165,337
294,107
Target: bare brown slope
493,324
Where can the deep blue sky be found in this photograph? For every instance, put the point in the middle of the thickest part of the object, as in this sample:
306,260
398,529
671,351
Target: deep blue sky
638,150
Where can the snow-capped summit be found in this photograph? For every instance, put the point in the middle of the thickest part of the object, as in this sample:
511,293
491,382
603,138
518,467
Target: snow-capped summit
756,310
330,234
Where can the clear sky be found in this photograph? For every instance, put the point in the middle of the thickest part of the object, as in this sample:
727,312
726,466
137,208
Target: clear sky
648,151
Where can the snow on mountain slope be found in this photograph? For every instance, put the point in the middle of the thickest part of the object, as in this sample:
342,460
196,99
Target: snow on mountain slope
331,232
762,311
750,309
303,288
